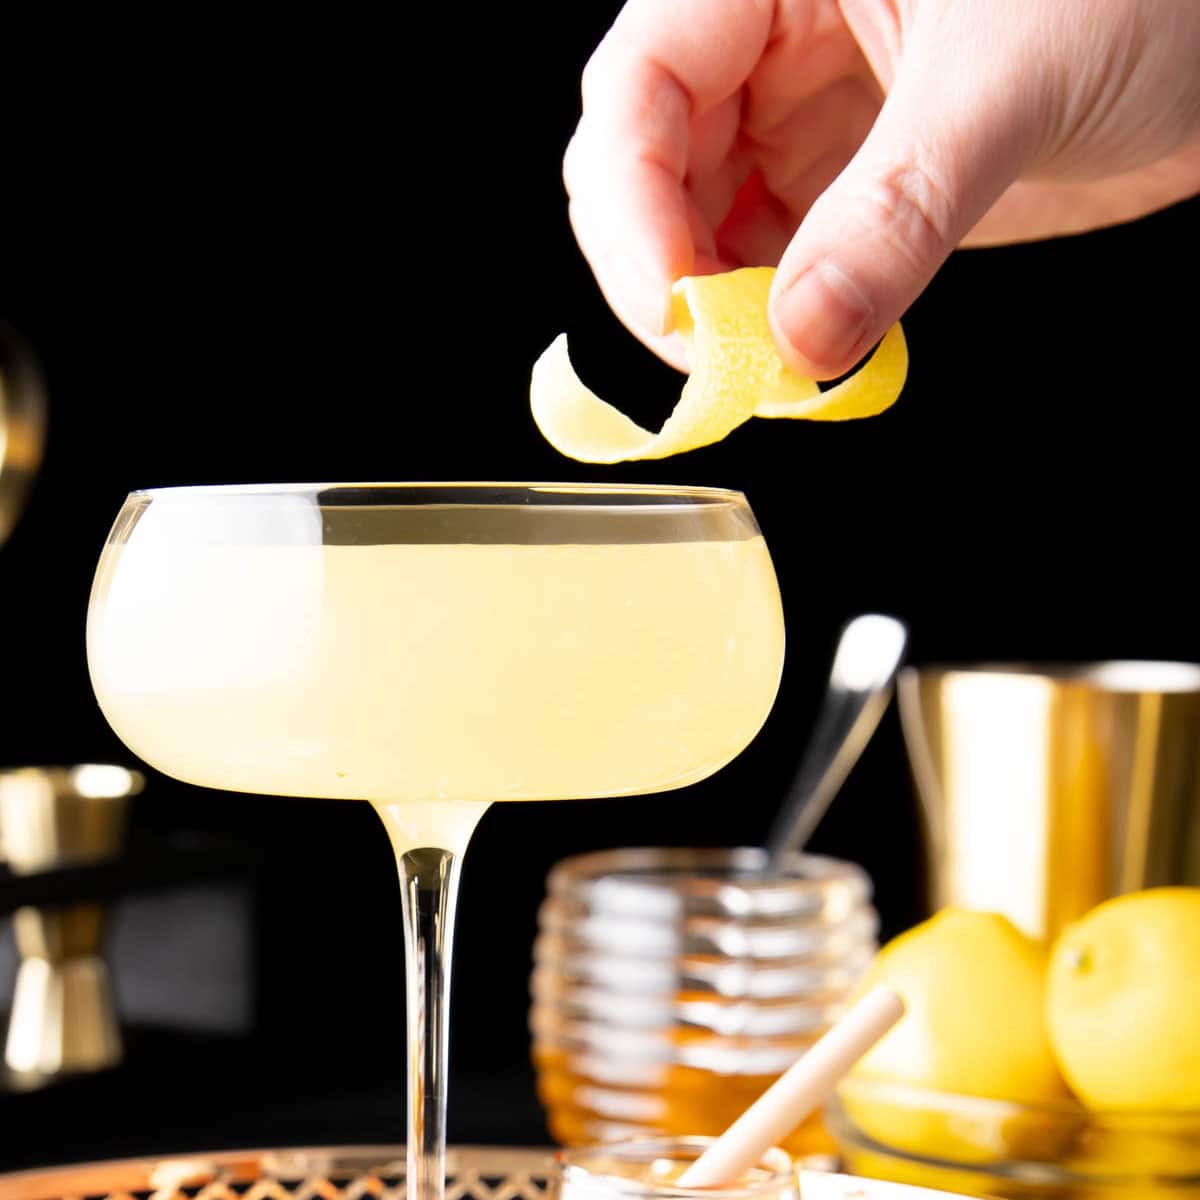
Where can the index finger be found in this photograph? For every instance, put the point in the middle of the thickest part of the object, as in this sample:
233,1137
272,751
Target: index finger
661,64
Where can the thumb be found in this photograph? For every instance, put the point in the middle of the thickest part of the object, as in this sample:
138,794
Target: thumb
939,155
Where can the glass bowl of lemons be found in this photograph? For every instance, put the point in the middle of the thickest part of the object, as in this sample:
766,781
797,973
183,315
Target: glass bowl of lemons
986,1147
1066,1069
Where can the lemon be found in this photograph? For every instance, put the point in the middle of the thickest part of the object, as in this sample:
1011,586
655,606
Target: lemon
973,986
1123,1002
736,374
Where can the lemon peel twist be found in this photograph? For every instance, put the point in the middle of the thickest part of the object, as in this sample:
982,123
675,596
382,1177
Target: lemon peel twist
736,374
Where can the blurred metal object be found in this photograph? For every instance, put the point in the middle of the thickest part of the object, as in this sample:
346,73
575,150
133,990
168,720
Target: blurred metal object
353,1172
869,652
63,1019
1048,791
22,425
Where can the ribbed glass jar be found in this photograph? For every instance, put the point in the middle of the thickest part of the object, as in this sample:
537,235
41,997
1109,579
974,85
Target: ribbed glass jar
672,986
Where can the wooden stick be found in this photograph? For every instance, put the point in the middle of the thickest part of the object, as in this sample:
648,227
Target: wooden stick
796,1092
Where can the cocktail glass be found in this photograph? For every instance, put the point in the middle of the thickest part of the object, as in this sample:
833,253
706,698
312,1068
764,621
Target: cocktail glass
433,648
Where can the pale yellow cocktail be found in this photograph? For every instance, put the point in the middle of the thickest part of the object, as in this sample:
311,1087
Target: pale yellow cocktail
431,672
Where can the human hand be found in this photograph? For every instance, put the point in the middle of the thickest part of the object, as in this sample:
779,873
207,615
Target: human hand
857,143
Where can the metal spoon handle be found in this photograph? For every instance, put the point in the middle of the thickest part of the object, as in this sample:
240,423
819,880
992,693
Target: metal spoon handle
869,653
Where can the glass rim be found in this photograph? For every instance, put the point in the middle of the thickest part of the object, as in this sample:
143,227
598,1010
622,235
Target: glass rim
684,492
1117,677
781,1169
1121,676
1066,1118
918,1097
683,868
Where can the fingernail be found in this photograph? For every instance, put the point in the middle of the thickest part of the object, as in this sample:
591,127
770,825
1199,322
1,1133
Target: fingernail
823,316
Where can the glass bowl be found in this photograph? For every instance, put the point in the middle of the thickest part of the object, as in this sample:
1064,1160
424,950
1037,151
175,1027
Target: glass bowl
986,1147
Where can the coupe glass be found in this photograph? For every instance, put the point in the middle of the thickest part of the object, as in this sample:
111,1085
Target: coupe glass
432,648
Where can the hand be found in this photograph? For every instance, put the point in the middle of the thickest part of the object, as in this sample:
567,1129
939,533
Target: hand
856,144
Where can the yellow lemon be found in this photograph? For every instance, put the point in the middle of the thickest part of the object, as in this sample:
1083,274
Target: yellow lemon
1123,1002
973,985
736,374
972,1038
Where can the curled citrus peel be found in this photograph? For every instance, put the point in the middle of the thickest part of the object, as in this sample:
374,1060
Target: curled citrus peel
736,374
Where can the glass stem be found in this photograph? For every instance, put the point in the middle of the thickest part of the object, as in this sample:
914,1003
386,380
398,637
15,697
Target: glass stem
429,887
429,879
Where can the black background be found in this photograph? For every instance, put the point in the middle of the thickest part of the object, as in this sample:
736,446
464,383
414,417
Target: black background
250,248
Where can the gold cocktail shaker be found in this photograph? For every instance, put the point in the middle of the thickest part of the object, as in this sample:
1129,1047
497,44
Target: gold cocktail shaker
1046,791
63,1018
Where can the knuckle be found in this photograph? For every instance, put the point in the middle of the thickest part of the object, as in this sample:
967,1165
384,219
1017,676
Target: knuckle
572,164
913,209
586,167
596,78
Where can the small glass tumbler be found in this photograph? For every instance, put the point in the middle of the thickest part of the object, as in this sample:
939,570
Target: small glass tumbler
671,987
646,1169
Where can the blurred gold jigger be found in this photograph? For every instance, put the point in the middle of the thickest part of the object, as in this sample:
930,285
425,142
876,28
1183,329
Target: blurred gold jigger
1047,791
22,426
63,1017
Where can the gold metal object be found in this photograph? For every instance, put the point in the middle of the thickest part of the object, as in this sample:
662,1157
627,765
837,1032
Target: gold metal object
1047,791
63,1018
22,426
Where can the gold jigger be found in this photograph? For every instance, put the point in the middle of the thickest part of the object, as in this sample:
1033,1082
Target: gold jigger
22,426
63,1017
1047,791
